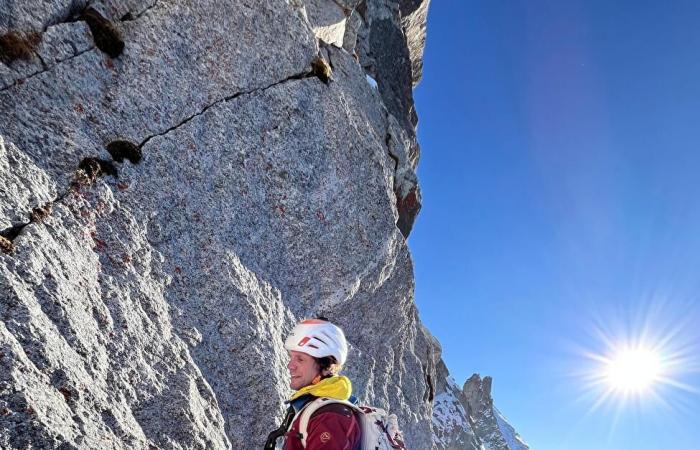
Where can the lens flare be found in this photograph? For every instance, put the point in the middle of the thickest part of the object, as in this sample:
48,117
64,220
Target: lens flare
639,363
633,370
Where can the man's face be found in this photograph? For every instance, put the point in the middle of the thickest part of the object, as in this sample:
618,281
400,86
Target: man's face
302,369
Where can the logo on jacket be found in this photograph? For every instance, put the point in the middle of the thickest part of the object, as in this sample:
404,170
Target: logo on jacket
325,437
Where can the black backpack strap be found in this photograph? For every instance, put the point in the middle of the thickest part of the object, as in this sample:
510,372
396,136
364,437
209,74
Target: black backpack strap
279,432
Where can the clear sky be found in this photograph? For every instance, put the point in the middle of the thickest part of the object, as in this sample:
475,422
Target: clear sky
560,170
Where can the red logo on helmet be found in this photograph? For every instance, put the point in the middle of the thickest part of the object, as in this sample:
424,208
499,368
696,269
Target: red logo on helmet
304,341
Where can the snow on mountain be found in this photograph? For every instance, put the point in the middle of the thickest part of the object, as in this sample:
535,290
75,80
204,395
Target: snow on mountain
513,439
466,419
451,428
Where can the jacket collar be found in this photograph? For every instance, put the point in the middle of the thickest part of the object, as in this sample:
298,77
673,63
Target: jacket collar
337,387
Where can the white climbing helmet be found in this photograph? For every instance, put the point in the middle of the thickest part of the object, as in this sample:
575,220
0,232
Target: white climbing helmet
318,338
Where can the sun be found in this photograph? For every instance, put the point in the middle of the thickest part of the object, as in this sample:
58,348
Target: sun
633,370
637,362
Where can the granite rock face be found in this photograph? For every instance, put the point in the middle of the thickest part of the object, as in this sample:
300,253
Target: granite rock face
387,38
180,182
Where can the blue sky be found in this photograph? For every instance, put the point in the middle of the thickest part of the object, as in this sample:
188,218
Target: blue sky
560,170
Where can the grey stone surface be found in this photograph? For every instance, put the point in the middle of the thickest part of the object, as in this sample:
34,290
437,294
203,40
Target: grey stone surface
388,38
35,14
24,186
390,43
149,307
89,358
38,15
414,18
59,43
406,185
179,59
328,20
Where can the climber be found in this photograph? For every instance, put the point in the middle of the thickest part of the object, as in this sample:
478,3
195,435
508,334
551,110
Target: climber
317,350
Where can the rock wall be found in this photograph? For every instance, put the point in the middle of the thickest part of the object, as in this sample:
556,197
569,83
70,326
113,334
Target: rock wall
180,182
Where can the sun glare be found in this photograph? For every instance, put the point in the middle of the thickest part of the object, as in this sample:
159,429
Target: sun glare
633,370
638,363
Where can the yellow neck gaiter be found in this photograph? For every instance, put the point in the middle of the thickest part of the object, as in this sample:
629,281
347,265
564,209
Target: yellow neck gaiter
337,387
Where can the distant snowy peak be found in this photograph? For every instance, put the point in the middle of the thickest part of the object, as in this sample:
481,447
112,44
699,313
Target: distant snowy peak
513,439
451,427
465,419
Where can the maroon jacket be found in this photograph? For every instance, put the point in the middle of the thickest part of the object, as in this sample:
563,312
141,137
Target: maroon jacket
332,427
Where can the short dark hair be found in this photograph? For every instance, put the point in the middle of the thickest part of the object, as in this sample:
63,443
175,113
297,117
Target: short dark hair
325,363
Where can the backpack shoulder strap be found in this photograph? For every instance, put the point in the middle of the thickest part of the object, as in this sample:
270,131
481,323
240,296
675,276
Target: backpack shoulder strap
312,407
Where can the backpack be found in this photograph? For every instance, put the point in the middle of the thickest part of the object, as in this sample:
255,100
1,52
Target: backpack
380,430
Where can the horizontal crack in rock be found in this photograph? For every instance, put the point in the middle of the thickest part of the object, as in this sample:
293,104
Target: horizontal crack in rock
91,168
128,17
87,173
74,16
20,81
299,76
